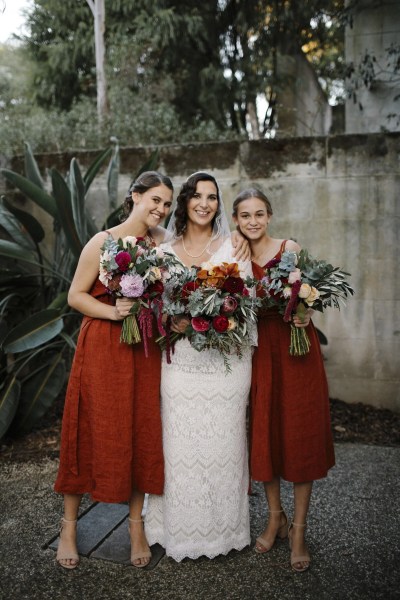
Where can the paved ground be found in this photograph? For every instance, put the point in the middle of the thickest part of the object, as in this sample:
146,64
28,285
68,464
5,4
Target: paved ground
353,536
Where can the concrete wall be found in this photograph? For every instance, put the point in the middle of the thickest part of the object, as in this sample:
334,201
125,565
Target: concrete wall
338,197
376,27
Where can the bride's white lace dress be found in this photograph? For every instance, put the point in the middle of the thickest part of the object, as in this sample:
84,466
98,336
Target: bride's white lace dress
204,509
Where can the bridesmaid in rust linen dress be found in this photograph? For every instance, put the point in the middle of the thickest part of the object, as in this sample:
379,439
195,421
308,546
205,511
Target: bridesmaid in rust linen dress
111,440
290,433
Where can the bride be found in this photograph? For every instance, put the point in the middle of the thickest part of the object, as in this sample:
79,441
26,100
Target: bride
204,509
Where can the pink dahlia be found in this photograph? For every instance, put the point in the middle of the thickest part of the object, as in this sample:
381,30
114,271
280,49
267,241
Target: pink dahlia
131,286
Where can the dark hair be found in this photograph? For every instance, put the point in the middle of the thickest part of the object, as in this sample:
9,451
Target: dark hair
145,181
187,192
251,193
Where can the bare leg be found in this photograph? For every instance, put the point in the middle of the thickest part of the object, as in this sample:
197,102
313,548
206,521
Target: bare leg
139,546
302,495
67,544
277,521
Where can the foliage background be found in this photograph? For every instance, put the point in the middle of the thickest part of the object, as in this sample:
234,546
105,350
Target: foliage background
177,70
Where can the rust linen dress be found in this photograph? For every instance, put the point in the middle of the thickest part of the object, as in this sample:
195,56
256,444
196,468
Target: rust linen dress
111,439
290,431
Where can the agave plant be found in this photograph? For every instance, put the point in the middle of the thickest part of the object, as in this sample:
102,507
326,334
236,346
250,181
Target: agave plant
37,327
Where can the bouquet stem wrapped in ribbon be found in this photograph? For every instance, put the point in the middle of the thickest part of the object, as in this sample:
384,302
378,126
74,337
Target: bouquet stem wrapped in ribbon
130,333
296,283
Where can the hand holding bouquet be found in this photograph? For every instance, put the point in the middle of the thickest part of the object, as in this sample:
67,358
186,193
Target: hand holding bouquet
295,283
218,305
133,268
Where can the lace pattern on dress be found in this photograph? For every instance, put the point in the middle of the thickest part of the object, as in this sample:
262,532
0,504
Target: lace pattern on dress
204,509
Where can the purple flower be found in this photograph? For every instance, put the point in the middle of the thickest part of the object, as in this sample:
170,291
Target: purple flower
131,286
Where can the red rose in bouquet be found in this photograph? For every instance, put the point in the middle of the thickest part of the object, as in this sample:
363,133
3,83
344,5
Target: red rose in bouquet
200,324
220,323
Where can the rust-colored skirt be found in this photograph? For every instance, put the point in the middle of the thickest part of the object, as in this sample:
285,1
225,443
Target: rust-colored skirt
111,439
290,430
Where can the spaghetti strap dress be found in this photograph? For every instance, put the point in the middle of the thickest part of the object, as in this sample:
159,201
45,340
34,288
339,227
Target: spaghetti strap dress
111,438
290,429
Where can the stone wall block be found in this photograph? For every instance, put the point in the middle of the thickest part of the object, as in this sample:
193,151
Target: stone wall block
289,156
211,156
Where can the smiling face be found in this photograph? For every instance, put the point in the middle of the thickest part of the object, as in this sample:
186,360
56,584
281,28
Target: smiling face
252,217
153,205
203,206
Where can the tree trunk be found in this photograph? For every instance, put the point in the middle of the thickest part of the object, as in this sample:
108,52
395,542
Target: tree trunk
98,10
252,114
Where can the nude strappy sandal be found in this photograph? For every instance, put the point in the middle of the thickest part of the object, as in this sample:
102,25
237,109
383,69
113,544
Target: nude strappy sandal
62,555
297,559
281,534
137,555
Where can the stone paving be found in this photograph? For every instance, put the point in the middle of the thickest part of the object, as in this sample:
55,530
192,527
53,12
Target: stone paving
353,536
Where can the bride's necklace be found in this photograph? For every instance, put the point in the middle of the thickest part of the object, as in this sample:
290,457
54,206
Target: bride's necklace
201,253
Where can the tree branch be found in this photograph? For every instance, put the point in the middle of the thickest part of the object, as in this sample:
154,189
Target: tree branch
92,6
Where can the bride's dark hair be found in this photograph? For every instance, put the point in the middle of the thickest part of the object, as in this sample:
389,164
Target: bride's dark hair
187,192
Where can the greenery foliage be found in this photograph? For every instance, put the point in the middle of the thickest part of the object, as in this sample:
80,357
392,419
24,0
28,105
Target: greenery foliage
38,329
177,71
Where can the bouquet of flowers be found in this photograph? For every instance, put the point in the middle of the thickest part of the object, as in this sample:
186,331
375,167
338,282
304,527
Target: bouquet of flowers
133,268
218,305
295,283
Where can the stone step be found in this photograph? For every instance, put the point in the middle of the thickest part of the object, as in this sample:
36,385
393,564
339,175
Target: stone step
103,534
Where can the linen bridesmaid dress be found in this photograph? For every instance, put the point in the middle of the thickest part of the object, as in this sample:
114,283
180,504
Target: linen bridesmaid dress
290,430
111,439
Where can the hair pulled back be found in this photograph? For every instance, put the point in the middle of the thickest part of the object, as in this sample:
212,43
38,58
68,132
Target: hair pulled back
251,193
146,181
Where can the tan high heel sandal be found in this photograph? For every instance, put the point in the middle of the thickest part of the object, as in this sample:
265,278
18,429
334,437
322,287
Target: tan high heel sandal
62,555
296,559
281,534
137,555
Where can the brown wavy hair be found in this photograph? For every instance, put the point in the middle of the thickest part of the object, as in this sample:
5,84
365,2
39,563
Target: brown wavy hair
145,181
187,192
